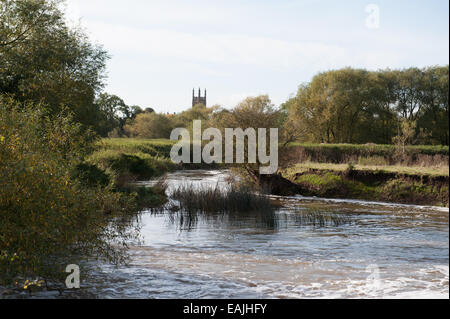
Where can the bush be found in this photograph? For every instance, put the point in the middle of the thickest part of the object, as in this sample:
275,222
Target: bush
149,125
90,175
48,217
130,166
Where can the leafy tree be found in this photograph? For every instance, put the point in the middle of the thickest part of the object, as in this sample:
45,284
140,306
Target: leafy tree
109,106
406,133
435,116
358,106
114,114
257,112
43,60
197,112
149,125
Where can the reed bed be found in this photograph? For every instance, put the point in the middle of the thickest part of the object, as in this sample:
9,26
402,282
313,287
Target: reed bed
216,200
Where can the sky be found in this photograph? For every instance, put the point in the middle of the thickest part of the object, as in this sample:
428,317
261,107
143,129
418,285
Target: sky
160,50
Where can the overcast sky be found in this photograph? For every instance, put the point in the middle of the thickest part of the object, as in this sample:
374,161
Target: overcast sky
162,49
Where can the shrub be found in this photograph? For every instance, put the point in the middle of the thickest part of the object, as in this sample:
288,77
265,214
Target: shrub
130,166
48,217
90,175
149,125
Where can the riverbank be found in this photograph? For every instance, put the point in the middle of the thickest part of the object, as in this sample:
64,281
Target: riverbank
375,176
130,159
397,184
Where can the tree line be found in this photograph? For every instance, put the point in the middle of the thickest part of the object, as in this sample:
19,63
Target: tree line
360,106
45,61
408,106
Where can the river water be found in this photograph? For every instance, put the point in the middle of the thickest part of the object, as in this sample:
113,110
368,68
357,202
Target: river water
381,251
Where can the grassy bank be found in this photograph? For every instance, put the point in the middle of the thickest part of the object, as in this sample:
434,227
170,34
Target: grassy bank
367,154
377,173
137,159
397,169
159,148
410,185
127,160
117,163
371,154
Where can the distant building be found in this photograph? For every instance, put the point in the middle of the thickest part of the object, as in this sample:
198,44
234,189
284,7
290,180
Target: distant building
198,99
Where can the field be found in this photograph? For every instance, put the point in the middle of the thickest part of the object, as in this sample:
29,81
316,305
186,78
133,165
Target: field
321,153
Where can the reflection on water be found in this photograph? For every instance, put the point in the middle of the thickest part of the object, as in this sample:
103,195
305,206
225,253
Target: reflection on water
282,255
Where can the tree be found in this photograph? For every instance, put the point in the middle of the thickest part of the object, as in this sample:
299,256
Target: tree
109,106
333,104
435,116
149,125
197,112
114,114
406,133
254,113
358,106
43,60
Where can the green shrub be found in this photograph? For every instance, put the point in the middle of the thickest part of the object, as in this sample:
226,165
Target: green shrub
90,175
131,166
49,219
403,189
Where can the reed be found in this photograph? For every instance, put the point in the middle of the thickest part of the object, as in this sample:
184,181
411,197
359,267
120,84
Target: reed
216,200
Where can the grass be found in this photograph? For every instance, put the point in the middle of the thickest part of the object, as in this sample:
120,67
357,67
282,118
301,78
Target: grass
336,184
130,159
214,200
425,159
377,149
152,147
370,154
124,161
138,165
407,170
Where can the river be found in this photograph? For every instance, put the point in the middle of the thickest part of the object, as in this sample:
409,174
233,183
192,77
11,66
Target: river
382,251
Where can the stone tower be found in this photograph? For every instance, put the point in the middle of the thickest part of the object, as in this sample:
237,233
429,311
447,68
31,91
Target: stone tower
198,99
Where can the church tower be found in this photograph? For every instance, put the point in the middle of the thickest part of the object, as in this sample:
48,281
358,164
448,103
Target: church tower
198,99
